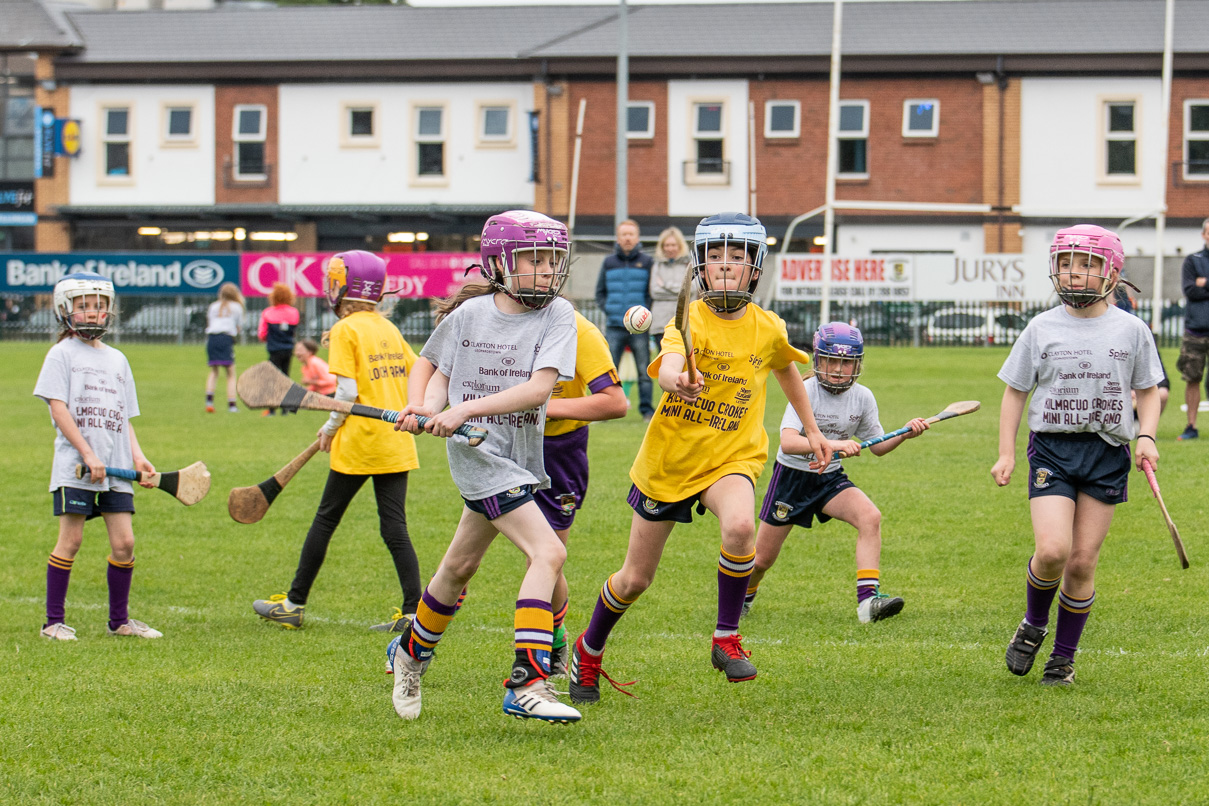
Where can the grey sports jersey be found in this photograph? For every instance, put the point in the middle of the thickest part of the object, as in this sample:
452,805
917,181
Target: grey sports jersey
483,351
852,414
98,388
1083,371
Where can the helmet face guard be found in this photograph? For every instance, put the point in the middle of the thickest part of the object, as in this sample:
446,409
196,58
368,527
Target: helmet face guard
84,284
526,256
713,244
841,342
355,275
1071,259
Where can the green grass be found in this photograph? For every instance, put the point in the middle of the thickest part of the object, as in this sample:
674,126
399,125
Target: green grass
919,709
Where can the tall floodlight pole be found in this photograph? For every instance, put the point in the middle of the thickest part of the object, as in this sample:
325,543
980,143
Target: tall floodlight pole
1160,221
620,211
833,131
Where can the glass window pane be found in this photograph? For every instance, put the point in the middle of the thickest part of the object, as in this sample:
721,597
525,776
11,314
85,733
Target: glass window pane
495,122
1121,157
117,159
920,117
852,118
249,121
1198,157
116,121
852,157
1120,117
180,122
709,157
709,117
429,124
1198,118
638,119
431,159
251,158
19,117
362,122
782,117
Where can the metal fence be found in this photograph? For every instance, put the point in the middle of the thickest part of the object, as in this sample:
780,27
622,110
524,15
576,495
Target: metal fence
182,320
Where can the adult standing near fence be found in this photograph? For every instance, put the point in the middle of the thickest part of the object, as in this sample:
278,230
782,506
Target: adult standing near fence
1195,345
667,275
624,282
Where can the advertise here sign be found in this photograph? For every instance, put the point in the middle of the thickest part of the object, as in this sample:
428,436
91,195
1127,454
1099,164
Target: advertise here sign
411,274
143,273
911,278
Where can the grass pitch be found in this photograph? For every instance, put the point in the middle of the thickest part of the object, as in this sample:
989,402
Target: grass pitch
919,709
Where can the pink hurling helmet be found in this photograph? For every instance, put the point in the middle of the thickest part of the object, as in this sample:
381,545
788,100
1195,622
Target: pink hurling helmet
1086,240
517,232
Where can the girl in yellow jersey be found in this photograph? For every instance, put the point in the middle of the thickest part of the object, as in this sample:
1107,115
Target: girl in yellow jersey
371,362
706,445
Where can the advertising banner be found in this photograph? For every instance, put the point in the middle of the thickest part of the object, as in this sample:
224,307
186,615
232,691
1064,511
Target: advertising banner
881,278
131,273
408,274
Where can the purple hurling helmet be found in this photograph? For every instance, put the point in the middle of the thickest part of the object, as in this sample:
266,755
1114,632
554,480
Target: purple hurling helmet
524,234
842,342
1085,240
355,275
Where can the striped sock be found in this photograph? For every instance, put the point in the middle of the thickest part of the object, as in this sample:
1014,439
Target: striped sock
867,582
461,600
1072,618
58,575
560,634
119,576
432,619
734,571
209,398
1040,597
750,596
609,609
534,629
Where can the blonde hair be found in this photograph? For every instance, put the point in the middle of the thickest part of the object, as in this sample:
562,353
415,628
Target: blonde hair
281,294
228,293
671,232
629,222
348,306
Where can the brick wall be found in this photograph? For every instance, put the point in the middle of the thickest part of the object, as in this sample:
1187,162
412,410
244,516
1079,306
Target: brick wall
226,189
1185,199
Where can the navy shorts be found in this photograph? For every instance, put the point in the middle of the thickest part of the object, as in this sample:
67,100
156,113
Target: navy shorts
501,503
566,457
220,349
1069,464
797,497
90,503
678,511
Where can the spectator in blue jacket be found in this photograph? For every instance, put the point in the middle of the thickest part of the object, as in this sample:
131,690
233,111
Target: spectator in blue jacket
624,282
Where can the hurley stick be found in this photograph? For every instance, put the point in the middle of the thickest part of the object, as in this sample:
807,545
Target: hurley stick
187,485
1148,469
249,504
952,410
682,324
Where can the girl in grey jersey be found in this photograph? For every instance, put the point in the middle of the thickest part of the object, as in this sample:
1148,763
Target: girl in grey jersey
494,358
1080,361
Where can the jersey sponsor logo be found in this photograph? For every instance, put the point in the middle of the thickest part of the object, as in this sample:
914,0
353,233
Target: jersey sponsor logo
1084,365
723,366
1119,355
756,361
743,395
508,361
782,511
1060,354
1041,480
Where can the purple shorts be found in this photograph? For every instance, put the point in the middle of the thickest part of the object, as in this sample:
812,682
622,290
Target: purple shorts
566,457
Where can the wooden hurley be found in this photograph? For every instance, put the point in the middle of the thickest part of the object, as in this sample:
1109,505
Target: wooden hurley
187,485
263,386
682,323
951,411
1148,469
249,504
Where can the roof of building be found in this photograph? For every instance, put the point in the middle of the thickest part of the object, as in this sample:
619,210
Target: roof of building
31,25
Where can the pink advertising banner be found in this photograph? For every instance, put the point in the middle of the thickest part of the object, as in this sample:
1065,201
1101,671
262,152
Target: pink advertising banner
409,274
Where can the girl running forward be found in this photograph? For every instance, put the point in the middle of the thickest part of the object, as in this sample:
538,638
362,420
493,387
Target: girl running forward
90,391
706,444
1080,361
224,318
847,414
495,356
371,362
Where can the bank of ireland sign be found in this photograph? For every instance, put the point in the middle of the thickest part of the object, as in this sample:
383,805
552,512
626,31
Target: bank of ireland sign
130,273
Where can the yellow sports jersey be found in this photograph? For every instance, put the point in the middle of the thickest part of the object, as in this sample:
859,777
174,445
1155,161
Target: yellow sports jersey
366,347
689,447
592,360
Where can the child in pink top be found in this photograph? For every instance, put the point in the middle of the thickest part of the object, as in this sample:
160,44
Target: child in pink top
315,374
278,324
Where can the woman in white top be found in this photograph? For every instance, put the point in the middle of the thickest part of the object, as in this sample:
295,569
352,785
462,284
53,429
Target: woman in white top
667,275
223,320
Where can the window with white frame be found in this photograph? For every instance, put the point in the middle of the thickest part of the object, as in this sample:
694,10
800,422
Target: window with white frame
430,141
782,119
359,124
921,117
1196,139
178,124
1120,139
496,124
708,138
116,142
853,140
249,131
640,120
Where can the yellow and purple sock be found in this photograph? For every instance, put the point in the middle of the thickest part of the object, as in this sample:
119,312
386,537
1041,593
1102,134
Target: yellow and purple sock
1072,618
119,576
867,582
750,596
534,630
58,575
1040,595
734,571
609,609
431,620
